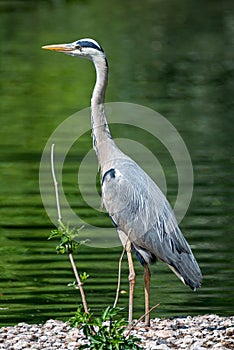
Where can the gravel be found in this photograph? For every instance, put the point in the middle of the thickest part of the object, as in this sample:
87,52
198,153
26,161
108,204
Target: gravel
188,333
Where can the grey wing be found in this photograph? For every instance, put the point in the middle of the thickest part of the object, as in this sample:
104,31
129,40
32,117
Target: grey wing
140,210
168,244
125,194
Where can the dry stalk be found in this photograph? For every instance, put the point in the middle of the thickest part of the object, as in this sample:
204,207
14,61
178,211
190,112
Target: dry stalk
79,283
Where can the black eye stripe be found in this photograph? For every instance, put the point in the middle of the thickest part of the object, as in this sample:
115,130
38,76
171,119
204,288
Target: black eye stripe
87,43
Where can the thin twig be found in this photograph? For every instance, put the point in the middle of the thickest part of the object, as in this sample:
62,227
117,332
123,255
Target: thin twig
119,278
141,318
80,285
55,184
60,222
119,272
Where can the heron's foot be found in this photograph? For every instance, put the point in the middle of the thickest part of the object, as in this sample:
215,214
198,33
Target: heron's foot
147,321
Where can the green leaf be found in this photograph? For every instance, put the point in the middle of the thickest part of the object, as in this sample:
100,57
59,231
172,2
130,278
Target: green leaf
104,336
53,233
84,276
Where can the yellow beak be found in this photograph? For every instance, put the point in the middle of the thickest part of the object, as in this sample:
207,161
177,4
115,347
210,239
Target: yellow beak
59,47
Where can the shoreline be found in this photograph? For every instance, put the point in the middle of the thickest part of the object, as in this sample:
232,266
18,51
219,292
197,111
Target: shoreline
192,333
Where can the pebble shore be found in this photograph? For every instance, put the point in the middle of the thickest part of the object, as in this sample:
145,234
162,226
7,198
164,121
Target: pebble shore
192,333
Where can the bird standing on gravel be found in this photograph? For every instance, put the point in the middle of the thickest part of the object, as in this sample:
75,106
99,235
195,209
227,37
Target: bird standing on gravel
139,210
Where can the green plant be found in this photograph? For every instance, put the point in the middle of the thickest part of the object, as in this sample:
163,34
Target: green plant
83,277
104,333
68,238
68,244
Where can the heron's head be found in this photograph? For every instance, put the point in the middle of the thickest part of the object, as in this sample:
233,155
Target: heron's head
87,48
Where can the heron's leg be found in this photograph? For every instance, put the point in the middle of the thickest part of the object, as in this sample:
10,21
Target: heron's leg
132,280
147,294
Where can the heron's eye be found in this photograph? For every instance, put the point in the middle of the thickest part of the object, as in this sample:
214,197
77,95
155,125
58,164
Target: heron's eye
78,47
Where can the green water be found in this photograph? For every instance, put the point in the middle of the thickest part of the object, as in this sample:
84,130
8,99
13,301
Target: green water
174,57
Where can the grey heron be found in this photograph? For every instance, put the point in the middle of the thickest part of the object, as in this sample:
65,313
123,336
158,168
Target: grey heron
139,210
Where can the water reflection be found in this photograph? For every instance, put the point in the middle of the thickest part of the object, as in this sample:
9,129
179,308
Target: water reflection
173,57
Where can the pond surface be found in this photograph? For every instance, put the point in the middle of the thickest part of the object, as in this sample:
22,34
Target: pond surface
173,57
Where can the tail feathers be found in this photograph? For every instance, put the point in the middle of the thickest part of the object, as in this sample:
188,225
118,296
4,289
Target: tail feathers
187,269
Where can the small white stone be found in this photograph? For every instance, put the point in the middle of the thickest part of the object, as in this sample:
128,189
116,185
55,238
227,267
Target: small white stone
160,347
197,334
72,346
35,346
187,339
163,334
43,338
21,345
197,346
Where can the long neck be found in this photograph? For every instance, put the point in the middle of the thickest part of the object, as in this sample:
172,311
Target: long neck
100,130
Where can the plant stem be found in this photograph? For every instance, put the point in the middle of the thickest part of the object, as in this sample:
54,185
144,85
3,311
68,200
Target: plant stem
119,272
55,184
119,278
60,222
80,285
141,318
